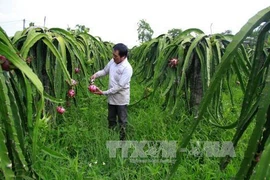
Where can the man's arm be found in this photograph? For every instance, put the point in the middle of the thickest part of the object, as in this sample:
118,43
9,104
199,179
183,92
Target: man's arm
125,79
102,72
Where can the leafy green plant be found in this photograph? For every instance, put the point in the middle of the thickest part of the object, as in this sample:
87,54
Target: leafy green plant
256,94
19,113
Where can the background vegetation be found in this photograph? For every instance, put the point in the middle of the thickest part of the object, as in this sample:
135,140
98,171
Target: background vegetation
187,87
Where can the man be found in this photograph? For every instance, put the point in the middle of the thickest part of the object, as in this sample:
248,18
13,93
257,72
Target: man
120,73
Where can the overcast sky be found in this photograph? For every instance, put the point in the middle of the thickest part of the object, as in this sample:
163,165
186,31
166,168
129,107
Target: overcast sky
116,20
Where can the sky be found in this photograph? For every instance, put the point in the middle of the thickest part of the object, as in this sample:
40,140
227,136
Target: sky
117,20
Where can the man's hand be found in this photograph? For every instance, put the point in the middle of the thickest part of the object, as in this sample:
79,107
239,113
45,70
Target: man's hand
98,92
93,77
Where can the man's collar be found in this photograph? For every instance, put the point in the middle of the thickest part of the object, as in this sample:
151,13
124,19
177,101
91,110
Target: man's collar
123,61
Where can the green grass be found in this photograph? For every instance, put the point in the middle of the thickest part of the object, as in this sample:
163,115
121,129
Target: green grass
80,136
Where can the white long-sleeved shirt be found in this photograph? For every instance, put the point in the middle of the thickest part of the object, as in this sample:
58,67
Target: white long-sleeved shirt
119,81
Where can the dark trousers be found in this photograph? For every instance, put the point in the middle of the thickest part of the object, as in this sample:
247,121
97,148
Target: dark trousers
118,114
